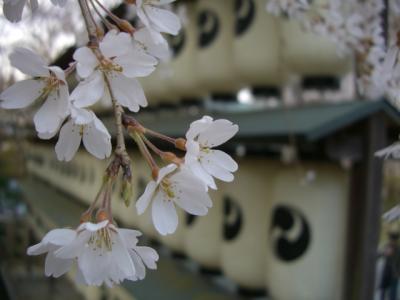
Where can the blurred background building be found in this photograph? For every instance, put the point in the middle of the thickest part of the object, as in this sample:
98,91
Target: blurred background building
301,221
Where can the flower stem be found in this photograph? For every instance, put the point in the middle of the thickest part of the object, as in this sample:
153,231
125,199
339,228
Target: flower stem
161,136
89,22
104,20
108,12
153,147
145,152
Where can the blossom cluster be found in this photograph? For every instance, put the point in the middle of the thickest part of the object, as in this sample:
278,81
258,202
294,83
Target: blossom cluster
186,186
354,27
291,8
107,73
107,69
103,253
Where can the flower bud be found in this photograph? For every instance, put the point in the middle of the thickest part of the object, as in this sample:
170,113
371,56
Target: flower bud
86,217
125,26
101,216
180,144
154,173
170,157
126,191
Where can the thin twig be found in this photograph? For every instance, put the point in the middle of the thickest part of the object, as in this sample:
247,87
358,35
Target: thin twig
89,22
161,136
108,12
153,147
143,149
104,20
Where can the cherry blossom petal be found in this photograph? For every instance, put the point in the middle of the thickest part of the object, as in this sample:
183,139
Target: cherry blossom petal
34,4
222,159
160,50
55,266
139,265
136,64
60,236
55,237
143,202
60,74
129,236
128,92
68,141
75,247
93,227
88,91
192,203
165,218
115,44
217,171
161,2
192,150
163,20
47,135
79,278
148,255
97,140
12,10
200,173
60,3
218,133
29,62
86,61
100,265
22,94
198,126
82,116
53,111
141,14
192,196
165,171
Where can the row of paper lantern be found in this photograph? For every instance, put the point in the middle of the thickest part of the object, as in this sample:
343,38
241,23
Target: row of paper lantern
269,229
226,45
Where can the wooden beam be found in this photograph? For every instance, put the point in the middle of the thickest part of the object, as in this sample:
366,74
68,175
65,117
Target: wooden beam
365,213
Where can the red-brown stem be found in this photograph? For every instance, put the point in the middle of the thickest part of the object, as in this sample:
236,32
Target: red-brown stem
153,147
108,12
104,20
160,136
143,150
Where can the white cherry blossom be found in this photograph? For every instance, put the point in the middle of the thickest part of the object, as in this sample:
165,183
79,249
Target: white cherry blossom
48,83
293,8
393,151
51,242
104,253
392,214
173,187
156,19
144,40
119,65
201,159
13,9
83,126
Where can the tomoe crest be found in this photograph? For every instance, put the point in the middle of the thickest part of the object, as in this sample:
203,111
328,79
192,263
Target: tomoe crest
209,26
245,13
233,219
290,233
